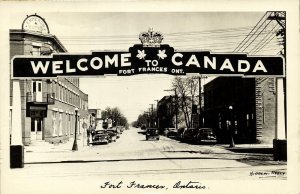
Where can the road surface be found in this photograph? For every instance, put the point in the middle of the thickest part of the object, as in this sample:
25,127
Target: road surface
132,160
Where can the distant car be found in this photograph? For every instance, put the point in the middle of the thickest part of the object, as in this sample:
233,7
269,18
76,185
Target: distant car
152,133
112,134
143,130
143,127
172,132
120,129
206,135
100,136
116,130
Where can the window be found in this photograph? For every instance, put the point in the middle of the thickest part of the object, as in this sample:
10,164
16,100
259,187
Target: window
54,123
61,92
40,86
36,50
60,124
34,86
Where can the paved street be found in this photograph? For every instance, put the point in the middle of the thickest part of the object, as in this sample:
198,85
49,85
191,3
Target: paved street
133,158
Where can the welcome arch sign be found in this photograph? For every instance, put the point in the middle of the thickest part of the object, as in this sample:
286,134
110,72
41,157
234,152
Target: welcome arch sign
149,57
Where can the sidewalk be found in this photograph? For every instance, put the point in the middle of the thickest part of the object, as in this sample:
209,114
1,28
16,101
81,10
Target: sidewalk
46,147
250,148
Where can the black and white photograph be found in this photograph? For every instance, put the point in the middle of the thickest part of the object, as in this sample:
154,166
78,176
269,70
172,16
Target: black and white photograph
146,98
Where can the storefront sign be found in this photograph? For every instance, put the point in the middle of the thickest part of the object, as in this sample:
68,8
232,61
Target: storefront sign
36,111
146,58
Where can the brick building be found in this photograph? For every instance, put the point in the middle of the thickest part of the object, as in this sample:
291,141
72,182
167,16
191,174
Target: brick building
47,105
246,104
166,112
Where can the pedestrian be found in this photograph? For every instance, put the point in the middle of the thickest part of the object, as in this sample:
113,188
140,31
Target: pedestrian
88,134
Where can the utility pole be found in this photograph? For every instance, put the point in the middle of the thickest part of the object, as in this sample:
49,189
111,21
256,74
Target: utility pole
157,118
151,115
280,141
200,97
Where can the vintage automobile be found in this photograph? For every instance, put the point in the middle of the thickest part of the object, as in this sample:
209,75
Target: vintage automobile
206,136
120,129
143,130
116,130
152,133
112,134
100,136
189,135
172,132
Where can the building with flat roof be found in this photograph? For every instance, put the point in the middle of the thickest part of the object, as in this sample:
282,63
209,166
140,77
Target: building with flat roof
246,104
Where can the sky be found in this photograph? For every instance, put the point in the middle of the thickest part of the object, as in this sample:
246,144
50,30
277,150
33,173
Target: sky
86,32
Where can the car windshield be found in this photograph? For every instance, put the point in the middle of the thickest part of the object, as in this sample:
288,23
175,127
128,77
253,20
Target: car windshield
207,131
100,131
151,130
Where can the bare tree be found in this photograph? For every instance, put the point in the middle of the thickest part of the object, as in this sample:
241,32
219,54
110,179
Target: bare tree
186,89
115,115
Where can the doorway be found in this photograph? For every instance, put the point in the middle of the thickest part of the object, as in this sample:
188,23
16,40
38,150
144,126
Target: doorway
36,129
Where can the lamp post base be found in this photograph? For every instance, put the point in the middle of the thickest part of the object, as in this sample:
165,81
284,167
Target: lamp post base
279,149
16,156
75,146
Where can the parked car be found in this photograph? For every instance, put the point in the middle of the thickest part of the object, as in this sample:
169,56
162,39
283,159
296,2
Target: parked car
172,132
152,133
206,135
116,130
112,134
189,135
180,133
120,128
143,130
100,136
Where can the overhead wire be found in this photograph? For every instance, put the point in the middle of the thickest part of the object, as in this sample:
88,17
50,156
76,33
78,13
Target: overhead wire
245,39
264,39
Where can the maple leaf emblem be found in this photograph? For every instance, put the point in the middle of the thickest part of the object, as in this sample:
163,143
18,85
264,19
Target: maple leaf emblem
141,54
161,54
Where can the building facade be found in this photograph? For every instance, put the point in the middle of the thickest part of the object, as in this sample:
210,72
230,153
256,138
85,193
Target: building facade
47,105
166,112
246,105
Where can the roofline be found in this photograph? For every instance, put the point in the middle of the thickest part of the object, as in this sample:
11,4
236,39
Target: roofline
55,39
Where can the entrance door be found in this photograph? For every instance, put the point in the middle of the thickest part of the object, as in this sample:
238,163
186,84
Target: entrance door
36,128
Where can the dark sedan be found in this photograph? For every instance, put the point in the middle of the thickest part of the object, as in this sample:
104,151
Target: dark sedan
100,136
206,136
152,133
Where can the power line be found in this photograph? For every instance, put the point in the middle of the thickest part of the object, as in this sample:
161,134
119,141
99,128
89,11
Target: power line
256,36
265,44
244,41
264,39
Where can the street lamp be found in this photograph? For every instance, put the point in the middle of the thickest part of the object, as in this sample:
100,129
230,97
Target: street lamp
75,146
231,130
